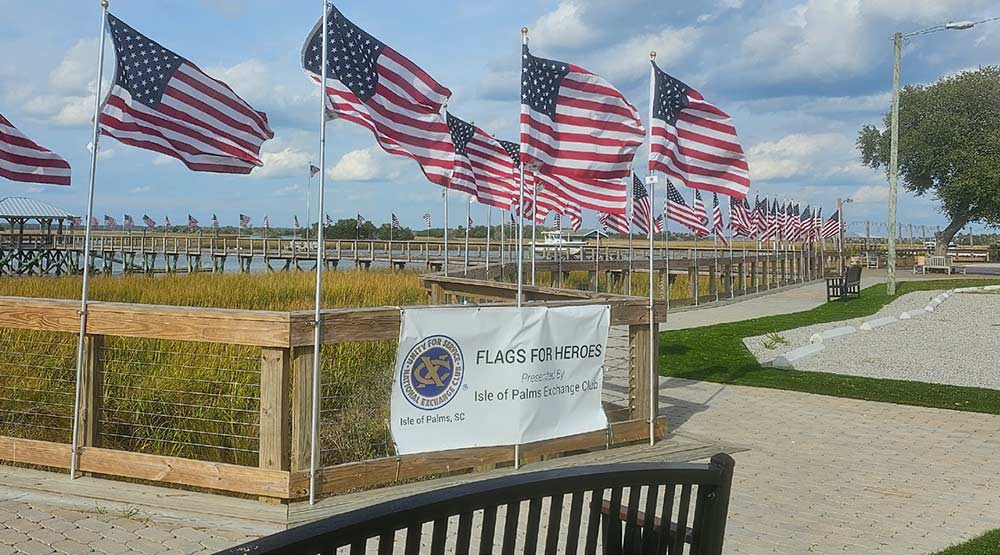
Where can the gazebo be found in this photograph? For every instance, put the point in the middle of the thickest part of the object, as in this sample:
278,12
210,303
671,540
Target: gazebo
22,253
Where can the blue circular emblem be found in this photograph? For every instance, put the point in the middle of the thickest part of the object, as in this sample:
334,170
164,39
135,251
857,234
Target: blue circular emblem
432,372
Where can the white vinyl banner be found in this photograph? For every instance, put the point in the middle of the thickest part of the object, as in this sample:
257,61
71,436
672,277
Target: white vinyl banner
487,376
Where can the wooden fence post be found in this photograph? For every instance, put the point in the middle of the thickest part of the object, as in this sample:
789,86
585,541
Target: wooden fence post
274,408
638,371
694,277
302,379
91,391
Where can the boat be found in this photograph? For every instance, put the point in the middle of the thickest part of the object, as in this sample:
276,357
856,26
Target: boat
554,242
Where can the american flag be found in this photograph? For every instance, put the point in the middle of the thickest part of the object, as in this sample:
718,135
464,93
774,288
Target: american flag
313,170
22,159
699,207
678,211
244,220
575,220
578,133
372,85
129,222
110,221
717,225
164,103
831,227
769,220
427,219
642,211
295,222
817,223
694,141
166,221
557,221
361,220
267,222
740,220
470,222
658,224
93,221
801,225
617,223
192,222
75,221
513,222
150,222
483,167
215,221
395,222
329,220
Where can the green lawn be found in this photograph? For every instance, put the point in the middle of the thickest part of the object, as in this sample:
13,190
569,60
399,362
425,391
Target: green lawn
987,544
717,354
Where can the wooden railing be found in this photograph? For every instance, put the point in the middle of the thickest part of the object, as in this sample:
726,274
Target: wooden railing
264,448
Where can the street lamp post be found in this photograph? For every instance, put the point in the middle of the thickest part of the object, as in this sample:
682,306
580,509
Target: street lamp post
840,232
897,45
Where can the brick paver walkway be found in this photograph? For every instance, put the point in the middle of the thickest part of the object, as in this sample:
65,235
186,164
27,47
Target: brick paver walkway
34,527
830,475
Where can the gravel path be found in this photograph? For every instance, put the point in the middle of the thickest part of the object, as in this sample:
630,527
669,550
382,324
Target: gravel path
954,345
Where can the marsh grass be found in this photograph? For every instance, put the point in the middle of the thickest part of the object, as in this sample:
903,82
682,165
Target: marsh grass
201,400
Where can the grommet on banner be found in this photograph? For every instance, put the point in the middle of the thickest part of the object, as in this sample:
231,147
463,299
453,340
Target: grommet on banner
398,463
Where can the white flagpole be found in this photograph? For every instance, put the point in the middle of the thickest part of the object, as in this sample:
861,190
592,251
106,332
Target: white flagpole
74,455
597,259
732,282
503,224
446,230
666,256
309,188
468,218
631,217
520,243
715,255
317,314
559,251
489,223
534,221
651,232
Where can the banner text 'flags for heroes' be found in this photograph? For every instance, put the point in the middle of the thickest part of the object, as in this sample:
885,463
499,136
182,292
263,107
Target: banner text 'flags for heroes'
488,376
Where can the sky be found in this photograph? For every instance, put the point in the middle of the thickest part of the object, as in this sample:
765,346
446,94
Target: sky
799,79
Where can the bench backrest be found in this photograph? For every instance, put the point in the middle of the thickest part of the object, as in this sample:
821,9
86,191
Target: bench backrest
853,274
939,260
622,508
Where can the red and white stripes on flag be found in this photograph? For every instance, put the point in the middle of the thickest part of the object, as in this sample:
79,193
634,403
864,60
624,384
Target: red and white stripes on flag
164,103
372,85
678,211
578,133
740,221
642,211
617,223
694,141
831,227
483,167
22,159
717,224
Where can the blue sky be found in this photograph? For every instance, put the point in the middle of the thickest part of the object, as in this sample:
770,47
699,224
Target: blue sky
798,77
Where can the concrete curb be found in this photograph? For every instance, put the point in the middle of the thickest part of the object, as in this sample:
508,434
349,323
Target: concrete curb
912,314
787,361
878,323
827,335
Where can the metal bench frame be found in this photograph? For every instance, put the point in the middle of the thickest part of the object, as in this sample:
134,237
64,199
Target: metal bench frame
620,524
846,286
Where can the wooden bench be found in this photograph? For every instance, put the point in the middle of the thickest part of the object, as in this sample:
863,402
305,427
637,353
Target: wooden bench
940,262
621,508
846,286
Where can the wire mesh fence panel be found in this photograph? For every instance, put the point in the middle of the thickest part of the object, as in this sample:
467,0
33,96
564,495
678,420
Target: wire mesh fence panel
192,400
615,391
354,401
37,377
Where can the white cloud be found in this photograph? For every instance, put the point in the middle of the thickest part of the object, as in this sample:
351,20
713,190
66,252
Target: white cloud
287,190
367,164
266,88
563,28
288,162
104,154
871,194
630,59
792,155
163,160
142,189
76,71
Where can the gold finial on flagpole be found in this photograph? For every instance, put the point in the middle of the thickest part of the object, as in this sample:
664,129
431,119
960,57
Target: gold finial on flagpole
524,35
104,4
652,55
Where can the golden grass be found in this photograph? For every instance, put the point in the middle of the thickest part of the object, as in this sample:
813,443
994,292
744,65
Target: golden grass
200,400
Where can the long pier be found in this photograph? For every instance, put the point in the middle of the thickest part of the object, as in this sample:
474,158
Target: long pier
139,253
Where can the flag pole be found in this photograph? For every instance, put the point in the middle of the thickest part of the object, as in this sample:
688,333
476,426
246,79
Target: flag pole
74,455
559,251
715,255
489,223
446,230
597,259
520,243
308,199
503,224
534,222
732,282
317,314
666,256
651,232
631,217
468,220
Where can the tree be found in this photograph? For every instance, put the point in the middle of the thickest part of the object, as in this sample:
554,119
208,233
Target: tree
949,147
348,229
401,234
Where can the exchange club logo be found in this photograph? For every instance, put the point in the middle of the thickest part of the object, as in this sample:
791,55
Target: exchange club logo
432,372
